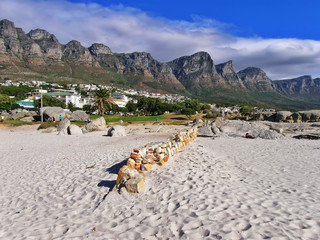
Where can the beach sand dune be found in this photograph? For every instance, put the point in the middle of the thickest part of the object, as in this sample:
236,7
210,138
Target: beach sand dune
58,187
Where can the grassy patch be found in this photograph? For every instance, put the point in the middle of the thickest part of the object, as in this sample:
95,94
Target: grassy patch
17,123
46,125
117,118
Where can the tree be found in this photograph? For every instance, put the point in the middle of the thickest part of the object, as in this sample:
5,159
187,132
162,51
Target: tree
71,107
193,105
205,107
49,102
131,106
188,112
102,100
4,102
89,109
246,109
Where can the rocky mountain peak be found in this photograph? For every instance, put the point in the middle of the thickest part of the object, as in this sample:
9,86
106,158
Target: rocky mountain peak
76,53
196,71
226,68
40,34
228,72
7,29
97,49
255,79
49,44
303,85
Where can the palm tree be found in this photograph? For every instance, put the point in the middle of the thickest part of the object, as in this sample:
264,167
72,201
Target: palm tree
102,98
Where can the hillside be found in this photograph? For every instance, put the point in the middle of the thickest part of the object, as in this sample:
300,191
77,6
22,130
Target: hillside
38,55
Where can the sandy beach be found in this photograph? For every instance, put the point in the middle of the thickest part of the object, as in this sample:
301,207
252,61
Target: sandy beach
58,187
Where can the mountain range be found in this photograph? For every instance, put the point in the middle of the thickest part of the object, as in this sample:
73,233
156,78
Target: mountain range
38,55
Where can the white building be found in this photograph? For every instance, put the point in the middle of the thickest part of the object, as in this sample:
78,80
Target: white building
74,99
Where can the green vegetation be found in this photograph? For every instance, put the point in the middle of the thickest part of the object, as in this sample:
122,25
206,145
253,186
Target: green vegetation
46,125
18,92
102,100
128,119
16,123
246,109
49,102
228,97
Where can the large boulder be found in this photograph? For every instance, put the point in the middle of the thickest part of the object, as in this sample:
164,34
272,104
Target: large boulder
282,116
312,115
79,115
27,119
296,117
74,130
53,112
117,131
266,134
98,124
198,122
63,127
215,130
219,122
205,131
18,115
258,117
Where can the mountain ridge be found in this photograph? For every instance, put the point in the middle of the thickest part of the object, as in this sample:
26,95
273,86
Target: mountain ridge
40,52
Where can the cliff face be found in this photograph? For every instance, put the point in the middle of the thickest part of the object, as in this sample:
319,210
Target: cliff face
228,72
144,65
255,79
41,50
196,71
303,86
51,48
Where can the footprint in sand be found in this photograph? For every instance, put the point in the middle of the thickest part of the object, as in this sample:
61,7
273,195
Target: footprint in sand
173,206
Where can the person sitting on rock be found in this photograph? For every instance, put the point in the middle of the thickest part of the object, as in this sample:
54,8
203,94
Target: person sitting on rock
249,136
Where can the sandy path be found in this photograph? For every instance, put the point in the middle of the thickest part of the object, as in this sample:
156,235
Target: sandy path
227,188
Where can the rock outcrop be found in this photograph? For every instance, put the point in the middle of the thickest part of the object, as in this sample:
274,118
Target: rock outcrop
79,115
63,127
196,71
74,130
53,112
98,124
255,79
117,131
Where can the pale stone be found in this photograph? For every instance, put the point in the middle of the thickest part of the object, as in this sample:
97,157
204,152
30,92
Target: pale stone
146,167
74,130
131,163
134,185
122,173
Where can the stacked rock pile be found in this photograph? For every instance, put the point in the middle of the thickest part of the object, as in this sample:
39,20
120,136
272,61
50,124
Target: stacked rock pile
131,176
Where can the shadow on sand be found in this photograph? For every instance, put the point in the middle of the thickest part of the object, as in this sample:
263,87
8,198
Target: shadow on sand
115,168
107,183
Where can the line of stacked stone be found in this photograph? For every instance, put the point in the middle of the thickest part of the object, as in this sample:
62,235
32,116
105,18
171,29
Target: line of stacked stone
131,176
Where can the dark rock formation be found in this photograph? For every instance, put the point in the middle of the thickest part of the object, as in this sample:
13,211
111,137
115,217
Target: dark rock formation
255,79
304,85
228,72
49,44
196,71
75,53
98,49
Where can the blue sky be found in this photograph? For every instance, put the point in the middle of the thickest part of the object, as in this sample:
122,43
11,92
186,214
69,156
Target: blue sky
264,18
281,37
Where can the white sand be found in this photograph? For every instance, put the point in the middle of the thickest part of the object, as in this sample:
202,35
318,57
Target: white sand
223,188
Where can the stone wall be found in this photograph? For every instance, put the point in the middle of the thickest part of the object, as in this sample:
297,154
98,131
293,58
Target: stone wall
131,176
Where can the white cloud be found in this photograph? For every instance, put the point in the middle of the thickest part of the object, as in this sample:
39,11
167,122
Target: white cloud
128,29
